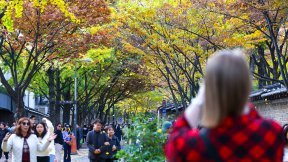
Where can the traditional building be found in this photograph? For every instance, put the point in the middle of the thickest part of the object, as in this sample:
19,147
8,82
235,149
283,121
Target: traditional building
272,102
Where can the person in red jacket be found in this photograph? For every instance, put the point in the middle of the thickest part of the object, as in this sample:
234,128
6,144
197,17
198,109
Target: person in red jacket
232,129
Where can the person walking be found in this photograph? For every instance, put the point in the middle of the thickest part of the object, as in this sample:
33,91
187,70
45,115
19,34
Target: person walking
118,132
33,123
78,136
114,145
231,129
42,135
24,145
84,133
67,143
12,129
3,132
97,143
58,142
50,131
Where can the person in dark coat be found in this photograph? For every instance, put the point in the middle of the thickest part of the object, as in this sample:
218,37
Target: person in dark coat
114,145
58,142
78,136
97,142
3,132
118,132
84,133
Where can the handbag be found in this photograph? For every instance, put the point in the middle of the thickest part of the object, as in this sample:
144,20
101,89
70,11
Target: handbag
69,143
105,152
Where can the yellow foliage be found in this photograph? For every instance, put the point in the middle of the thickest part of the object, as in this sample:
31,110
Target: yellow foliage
100,54
95,29
15,8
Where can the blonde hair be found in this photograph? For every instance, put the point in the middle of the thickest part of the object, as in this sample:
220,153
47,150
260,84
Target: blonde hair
227,86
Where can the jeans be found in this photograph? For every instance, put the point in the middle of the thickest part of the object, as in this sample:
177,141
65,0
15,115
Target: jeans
78,143
58,150
67,152
52,158
84,138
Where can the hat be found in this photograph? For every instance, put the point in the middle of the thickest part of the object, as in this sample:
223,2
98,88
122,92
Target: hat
166,125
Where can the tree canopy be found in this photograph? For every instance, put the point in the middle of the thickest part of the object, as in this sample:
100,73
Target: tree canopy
141,51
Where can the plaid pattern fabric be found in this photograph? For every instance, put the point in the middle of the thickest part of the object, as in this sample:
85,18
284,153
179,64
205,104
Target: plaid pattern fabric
248,138
26,151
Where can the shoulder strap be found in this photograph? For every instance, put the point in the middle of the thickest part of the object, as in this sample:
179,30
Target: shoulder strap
211,150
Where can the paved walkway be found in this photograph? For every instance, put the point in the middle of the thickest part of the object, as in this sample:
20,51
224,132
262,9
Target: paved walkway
82,156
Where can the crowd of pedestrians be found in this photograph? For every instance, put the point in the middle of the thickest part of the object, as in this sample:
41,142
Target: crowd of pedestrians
31,141
24,145
3,132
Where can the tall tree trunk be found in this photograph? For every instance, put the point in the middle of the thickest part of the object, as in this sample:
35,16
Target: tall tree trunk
58,97
16,95
101,108
106,116
274,40
52,94
67,107
262,67
20,111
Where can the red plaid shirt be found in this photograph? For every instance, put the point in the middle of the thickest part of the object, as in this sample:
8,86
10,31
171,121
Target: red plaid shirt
248,138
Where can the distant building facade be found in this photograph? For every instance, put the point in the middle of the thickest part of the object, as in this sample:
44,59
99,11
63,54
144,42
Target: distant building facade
34,105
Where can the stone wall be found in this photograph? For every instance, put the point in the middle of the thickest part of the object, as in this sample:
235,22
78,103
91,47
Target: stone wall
274,109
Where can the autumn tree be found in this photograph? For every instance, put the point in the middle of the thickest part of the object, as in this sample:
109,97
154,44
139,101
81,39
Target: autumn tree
268,19
110,77
174,38
43,33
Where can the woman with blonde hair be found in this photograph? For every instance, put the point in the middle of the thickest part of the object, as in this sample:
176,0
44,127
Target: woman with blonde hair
23,144
233,130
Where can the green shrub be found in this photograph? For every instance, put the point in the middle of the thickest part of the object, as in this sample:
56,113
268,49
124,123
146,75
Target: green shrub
144,141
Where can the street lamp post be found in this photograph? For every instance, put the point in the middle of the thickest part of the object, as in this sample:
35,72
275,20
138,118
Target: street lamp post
75,100
75,94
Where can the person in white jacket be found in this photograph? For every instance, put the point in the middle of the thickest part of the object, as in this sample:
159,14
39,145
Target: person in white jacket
24,145
42,135
50,130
